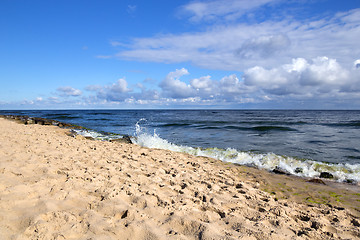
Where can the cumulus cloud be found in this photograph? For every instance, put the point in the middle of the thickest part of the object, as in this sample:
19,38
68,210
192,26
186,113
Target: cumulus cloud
173,91
117,91
319,76
204,83
119,87
173,87
324,71
205,90
69,91
322,80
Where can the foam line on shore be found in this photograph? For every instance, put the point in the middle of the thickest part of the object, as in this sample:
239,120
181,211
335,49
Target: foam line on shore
269,161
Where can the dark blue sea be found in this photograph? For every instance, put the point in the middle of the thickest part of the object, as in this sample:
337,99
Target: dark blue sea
303,143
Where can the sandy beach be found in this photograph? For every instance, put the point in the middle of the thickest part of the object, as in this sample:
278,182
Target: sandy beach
56,186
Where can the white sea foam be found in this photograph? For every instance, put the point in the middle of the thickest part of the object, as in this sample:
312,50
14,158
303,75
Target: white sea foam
95,135
269,161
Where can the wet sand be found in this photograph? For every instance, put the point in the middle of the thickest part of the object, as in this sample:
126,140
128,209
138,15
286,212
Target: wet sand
54,186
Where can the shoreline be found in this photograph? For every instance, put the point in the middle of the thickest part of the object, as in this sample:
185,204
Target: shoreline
76,130
53,184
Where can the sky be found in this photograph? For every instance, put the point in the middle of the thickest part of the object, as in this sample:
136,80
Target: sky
161,54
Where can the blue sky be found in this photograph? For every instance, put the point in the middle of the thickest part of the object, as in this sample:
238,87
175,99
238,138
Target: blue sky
180,54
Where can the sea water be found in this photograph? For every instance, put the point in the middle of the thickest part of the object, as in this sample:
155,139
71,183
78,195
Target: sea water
303,143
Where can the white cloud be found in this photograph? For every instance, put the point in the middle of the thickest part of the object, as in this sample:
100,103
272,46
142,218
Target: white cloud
115,92
202,90
316,78
264,46
93,88
322,80
270,44
174,88
54,99
229,9
231,84
119,87
324,71
69,91
204,83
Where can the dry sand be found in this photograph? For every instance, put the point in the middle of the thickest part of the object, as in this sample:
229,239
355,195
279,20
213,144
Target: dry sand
53,186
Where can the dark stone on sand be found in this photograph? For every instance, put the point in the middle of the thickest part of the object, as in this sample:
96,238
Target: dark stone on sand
355,223
262,209
315,225
43,121
316,180
301,232
304,218
350,181
221,214
125,214
127,138
326,175
278,170
124,139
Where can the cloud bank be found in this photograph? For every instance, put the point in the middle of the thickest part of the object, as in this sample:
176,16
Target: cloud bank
320,79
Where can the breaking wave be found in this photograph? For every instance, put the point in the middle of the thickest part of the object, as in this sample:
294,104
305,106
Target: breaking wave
269,161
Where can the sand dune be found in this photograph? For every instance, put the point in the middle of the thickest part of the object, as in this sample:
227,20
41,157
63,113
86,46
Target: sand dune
54,186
